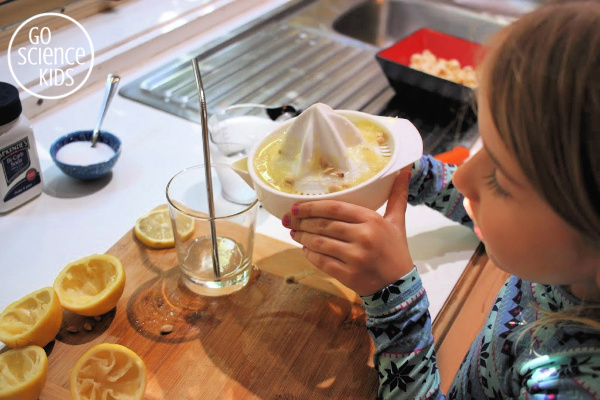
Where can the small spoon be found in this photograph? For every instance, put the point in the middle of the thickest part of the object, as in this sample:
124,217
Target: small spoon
112,82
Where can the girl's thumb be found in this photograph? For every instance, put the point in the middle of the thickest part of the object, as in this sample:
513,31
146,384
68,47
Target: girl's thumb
396,205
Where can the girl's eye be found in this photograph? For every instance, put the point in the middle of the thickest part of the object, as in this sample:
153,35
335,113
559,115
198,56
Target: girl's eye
492,182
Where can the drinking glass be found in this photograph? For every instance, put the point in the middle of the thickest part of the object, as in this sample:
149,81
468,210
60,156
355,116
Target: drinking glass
230,233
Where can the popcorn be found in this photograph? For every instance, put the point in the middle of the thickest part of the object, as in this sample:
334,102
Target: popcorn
447,69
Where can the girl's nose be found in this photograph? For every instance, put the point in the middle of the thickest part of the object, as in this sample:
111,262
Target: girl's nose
465,178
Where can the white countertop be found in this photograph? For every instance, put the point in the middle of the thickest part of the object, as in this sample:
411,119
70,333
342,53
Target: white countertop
73,219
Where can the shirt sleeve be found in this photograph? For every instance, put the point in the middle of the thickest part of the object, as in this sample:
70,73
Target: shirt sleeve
399,323
431,184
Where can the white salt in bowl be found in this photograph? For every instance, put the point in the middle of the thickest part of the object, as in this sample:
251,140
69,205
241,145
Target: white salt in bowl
407,147
84,167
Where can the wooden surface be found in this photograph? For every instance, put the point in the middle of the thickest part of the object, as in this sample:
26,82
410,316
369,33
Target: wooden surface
292,333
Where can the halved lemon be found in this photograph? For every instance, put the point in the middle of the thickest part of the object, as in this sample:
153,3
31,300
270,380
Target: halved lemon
23,373
33,319
155,230
108,370
91,285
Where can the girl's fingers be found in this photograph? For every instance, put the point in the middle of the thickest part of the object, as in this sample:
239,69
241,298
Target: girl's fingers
330,209
325,245
322,226
333,219
355,280
330,265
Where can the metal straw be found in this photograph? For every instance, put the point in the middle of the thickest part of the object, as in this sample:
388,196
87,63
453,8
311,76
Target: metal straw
207,168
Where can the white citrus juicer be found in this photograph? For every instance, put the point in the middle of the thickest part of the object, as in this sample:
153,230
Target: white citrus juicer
403,147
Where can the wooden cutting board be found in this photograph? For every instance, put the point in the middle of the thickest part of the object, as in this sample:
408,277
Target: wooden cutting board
292,333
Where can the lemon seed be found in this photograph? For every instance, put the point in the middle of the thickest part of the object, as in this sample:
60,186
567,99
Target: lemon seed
166,329
334,188
323,163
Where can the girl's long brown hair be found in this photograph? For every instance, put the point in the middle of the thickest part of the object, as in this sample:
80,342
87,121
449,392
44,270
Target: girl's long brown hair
542,80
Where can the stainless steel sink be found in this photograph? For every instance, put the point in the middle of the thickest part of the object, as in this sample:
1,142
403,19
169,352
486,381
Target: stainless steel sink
383,23
311,51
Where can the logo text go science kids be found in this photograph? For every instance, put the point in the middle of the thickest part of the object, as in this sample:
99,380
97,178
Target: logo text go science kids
53,65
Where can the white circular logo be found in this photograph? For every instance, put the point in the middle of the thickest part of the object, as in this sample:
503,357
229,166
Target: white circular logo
53,65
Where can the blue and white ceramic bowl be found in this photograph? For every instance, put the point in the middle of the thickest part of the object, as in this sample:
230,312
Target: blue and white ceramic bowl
91,171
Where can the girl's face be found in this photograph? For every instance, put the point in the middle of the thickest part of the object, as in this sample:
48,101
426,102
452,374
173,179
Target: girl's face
522,234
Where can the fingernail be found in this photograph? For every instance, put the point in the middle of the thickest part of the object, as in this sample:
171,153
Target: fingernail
303,248
295,209
292,233
286,221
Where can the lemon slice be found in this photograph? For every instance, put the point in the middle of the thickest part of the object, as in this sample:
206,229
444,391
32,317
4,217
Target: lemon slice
110,371
34,319
91,285
23,373
154,229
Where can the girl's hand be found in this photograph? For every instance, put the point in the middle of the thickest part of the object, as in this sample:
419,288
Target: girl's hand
357,246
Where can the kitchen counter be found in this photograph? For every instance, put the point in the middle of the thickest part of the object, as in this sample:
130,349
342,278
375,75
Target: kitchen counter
72,219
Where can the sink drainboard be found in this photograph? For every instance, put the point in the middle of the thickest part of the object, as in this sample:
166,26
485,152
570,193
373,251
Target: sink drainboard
282,64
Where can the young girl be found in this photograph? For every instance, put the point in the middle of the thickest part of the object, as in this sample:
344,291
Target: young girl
533,193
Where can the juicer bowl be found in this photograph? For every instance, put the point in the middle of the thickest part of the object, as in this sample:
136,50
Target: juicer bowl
405,142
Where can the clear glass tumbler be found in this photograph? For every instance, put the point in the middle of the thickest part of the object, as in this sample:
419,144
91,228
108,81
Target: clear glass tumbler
233,225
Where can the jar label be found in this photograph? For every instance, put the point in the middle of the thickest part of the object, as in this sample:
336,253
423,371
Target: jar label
30,180
14,159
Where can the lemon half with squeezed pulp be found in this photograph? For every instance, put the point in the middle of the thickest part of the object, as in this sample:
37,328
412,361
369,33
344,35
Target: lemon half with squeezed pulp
34,319
108,370
154,229
23,373
91,285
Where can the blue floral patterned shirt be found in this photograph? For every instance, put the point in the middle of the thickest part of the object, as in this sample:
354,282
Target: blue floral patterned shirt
507,360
